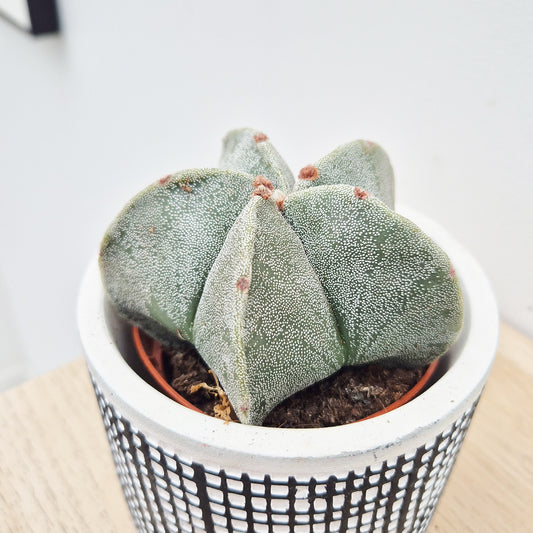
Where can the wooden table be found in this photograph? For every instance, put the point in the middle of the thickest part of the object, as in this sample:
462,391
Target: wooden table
56,471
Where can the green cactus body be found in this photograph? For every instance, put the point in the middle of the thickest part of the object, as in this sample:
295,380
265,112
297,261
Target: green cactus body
157,254
381,274
247,314
362,164
279,290
250,151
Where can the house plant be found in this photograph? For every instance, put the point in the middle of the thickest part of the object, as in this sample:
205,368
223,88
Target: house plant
184,471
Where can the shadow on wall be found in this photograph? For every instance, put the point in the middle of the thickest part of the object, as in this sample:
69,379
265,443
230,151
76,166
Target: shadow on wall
13,367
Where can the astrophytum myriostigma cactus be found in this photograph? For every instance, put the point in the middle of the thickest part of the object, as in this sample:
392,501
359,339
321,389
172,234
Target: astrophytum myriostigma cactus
280,283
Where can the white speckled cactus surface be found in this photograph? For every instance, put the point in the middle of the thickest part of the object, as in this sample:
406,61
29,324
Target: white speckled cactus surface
279,283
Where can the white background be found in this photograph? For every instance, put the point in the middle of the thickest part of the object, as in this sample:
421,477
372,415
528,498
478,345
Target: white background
132,90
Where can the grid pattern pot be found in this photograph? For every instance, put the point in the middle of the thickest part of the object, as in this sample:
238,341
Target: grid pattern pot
184,471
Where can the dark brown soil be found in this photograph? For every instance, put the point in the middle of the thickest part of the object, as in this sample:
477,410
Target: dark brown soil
350,394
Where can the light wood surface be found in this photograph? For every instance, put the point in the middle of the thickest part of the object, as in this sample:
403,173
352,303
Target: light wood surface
56,471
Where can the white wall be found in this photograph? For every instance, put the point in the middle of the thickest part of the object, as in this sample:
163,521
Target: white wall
132,90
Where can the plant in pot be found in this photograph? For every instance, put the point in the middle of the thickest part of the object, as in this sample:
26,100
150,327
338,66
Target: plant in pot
279,285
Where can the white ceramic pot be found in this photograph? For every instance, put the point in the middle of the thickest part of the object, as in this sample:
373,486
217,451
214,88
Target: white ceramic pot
184,471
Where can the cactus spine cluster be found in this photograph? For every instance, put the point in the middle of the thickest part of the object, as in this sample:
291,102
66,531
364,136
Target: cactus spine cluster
281,282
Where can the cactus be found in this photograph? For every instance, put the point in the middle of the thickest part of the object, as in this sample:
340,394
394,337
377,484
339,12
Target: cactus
280,284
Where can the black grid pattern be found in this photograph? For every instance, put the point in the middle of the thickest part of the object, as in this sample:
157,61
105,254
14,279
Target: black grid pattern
167,493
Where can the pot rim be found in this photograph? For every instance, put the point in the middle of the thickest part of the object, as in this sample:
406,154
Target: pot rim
411,424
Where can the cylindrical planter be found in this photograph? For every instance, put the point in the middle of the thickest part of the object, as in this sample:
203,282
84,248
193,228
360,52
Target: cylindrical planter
184,471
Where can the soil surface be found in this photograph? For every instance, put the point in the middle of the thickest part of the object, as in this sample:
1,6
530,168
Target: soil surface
350,394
